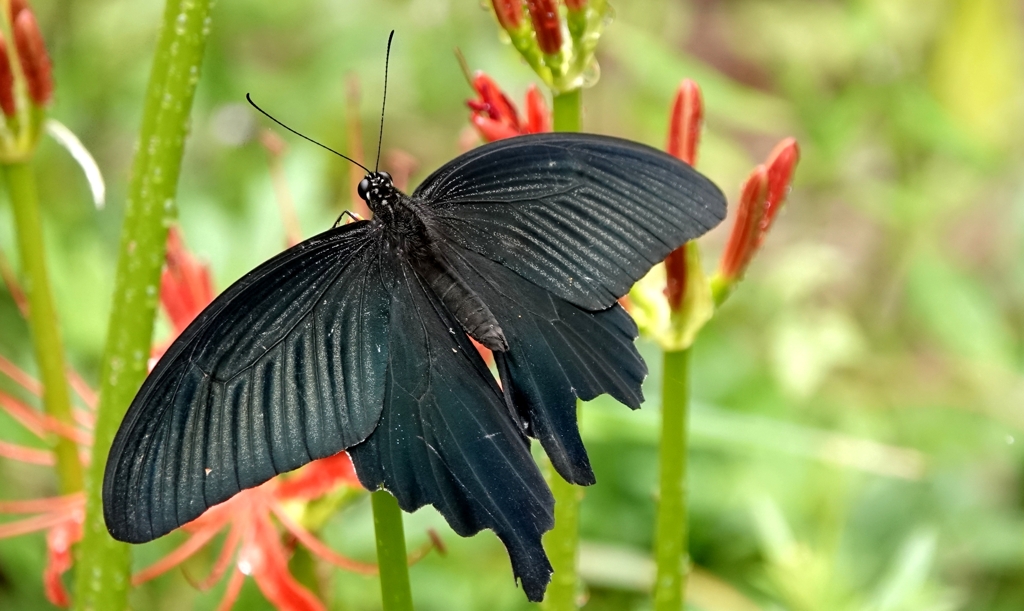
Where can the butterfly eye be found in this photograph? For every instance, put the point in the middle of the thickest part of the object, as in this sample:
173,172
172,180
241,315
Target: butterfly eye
364,188
386,177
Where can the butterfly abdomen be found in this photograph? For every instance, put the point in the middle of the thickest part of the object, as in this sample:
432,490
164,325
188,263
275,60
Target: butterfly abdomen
414,236
461,300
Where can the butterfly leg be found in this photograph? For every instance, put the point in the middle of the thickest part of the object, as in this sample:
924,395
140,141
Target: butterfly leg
352,215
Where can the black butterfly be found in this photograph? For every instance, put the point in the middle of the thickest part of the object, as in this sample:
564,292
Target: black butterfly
358,339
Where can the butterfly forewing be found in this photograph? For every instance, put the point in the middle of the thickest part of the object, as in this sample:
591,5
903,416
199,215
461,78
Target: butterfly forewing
287,365
580,215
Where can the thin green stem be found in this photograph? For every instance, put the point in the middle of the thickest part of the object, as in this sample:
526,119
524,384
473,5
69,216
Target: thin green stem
671,535
395,592
21,185
104,564
562,542
568,111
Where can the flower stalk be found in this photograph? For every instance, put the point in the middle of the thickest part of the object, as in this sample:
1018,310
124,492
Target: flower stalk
49,349
688,302
562,542
396,594
26,87
103,570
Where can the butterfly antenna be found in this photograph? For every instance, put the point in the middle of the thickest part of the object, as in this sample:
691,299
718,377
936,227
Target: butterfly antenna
380,139
269,116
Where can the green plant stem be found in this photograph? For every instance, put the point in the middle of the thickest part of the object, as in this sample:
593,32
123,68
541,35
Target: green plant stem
21,185
104,564
568,111
671,531
396,594
562,542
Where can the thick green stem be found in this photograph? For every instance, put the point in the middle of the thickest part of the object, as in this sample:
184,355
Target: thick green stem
103,567
395,592
562,543
21,185
671,535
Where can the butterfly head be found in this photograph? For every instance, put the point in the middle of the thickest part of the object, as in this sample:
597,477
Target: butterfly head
376,189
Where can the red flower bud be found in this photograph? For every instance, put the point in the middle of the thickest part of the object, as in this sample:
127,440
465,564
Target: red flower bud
546,24
35,63
762,198
687,120
576,5
509,13
675,278
749,217
781,163
16,7
6,80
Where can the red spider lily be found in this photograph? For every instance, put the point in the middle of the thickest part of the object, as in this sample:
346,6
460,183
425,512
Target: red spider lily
761,199
253,544
61,516
495,116
683,139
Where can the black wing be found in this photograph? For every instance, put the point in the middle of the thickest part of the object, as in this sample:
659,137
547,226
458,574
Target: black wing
581,215
286,366
558,352
445,437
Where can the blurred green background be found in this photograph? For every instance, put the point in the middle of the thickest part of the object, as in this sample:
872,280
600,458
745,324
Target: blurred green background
858,433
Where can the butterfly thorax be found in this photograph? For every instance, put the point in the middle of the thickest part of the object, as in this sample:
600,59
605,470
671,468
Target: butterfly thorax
411,235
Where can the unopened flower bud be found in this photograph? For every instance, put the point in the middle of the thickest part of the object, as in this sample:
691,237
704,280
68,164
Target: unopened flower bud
686,122
546,25
509,13
35,63
6,81
16,6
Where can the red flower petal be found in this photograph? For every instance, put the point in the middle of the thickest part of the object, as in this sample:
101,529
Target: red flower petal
538,117
491,130
494,102
265,558
185,286
318,478
59,541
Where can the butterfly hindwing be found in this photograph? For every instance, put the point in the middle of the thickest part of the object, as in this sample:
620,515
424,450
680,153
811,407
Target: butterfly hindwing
286,366
581,215
445,437
558,352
